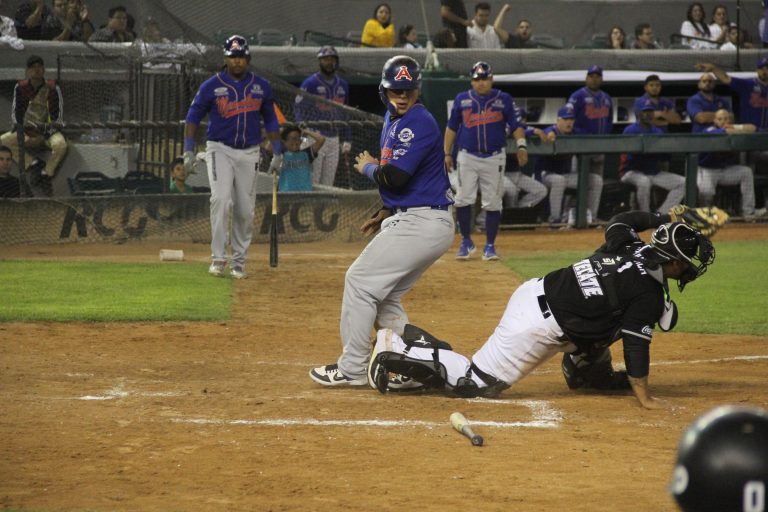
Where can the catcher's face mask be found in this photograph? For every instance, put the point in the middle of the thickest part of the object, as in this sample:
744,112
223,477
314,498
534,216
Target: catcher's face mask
678,241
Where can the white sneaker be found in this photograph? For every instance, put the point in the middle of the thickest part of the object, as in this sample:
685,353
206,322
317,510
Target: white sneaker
329,375
217,268
238,273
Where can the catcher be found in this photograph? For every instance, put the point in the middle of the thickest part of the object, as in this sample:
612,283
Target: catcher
620,292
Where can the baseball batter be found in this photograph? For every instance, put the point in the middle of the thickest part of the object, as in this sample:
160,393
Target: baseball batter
416,226
328,85
620,291
481,117
235,101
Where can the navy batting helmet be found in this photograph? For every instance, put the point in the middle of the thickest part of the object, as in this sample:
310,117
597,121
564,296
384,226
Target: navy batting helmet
481,70
236,46
400,73
722,462
327,51
679,241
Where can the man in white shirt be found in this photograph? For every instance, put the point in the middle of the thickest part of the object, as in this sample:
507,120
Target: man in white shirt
481,34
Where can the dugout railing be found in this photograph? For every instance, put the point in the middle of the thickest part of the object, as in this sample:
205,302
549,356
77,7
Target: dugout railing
582,146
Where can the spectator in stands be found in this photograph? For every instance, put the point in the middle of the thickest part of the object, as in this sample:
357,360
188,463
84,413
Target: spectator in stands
695,26
8,33
617,38
723,168
179,177
454,16
68,22
718,28
644,38
480,35
29,19
701,107
593,109
379,30
116,29
557,171
9,185
645,170
408,37
296,173
736,39
328,85
665,113
523,32
38,101
444,38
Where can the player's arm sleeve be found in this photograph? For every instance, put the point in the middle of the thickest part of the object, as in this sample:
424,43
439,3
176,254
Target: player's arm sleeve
454,120
693,107
199,107
302,103
388,176
610,117
513,116
268,111
637,354
637,220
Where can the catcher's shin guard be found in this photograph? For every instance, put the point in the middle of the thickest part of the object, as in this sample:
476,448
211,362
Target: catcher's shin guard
593,373
413,335
431,374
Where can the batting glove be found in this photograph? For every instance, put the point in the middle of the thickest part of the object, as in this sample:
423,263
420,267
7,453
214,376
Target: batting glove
346,147
189,161
276,164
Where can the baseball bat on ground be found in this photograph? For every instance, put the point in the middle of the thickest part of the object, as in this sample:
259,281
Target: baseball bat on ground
273,226
461,424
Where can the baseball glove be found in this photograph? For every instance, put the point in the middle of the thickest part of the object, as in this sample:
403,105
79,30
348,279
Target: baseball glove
706,220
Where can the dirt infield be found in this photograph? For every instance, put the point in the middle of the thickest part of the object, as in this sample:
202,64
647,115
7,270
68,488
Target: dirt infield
222,416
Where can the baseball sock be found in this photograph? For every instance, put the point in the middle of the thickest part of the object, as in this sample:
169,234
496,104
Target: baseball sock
492,221
464,216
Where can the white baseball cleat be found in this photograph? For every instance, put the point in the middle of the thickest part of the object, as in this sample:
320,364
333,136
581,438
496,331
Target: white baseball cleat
238,273
217,268
329,375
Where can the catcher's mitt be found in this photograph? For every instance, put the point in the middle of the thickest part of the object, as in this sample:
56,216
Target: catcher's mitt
706,220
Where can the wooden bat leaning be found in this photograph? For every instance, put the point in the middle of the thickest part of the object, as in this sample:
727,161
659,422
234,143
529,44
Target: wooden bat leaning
461,424
273,226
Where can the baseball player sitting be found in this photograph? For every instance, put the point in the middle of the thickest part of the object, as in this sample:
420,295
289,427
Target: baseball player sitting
621,291
483,115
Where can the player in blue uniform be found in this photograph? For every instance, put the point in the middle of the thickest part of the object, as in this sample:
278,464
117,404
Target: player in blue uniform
416,226
665,113
236,101
701,107
645,170
329,86
481,116
752,92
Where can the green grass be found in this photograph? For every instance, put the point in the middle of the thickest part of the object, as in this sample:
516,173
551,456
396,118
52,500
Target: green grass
104,292
730,298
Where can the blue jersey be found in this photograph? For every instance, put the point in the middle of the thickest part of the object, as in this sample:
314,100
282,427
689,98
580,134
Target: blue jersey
753,101
235,109
484,121
296,173
413,143
698,103
336,91
662,104
557,164
645,163
717,160
593,111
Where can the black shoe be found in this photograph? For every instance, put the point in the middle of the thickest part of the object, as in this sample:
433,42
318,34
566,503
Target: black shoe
35,170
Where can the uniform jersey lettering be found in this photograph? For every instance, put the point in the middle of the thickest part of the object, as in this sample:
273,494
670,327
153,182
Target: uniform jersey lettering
593,112
624,267
232,108
471,119
587,279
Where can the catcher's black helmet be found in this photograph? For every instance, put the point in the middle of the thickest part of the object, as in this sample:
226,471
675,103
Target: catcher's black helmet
722,462
679,241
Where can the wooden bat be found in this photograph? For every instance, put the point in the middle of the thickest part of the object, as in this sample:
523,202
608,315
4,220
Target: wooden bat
273,226
461,424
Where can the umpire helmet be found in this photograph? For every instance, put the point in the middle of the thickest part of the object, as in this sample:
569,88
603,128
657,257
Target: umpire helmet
722,462
236,46
400,73
481,69
679,241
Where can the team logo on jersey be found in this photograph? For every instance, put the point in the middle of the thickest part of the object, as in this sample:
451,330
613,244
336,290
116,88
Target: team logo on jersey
400,152
321,89
587,279
647,330
589,100
403,74
466,103
340,91
256,89
405,135
498,104
221,91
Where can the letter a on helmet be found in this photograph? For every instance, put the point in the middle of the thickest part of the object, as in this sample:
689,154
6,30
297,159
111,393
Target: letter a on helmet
403,74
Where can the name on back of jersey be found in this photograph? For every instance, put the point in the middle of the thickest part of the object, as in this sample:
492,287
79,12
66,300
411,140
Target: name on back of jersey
587,279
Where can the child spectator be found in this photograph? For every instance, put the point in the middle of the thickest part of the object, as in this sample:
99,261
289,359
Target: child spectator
379,30
179,177
408,37
296,173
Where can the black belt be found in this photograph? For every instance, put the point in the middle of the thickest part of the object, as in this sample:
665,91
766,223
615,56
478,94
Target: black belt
401,209
544,306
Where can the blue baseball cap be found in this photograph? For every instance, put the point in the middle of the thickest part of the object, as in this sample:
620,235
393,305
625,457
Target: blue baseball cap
647,105
762,62
566,112
594,69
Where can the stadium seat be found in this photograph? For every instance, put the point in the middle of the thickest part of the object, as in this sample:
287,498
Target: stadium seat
548,41
354,36
600,40
91,183
142,182
271,37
